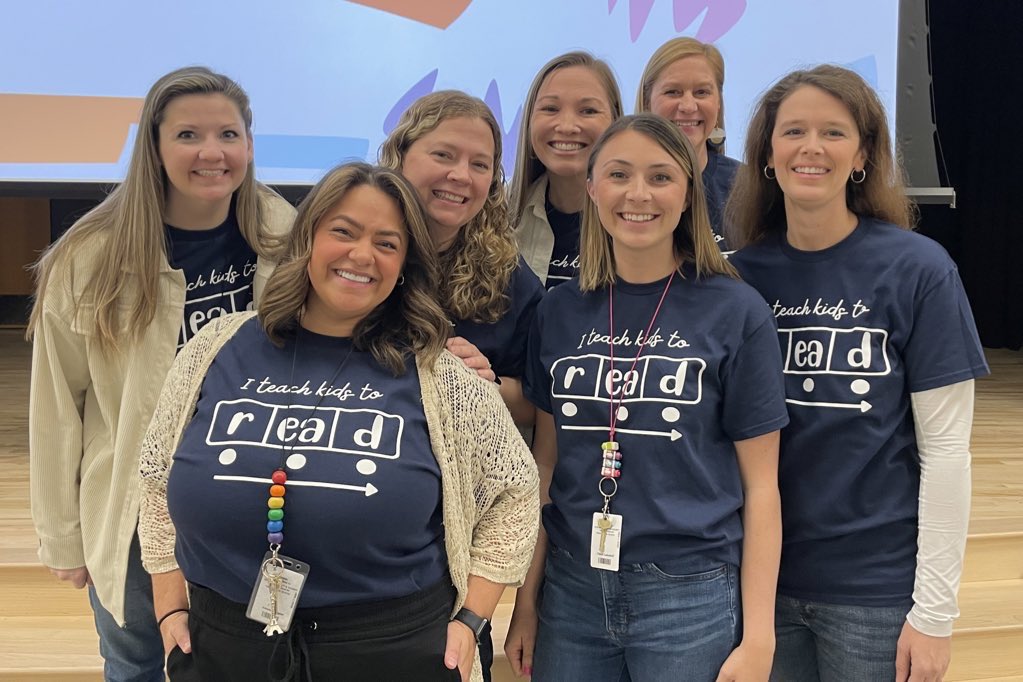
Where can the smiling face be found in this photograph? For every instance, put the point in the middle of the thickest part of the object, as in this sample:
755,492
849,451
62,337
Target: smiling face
205,151
815,145
359,248
640,192
571,111
686,93
451,167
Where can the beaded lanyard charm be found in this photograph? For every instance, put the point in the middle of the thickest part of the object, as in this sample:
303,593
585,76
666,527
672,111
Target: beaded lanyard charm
272,569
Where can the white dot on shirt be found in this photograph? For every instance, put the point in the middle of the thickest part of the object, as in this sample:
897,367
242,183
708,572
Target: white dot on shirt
296,461
860,386
366,467
569,409
228,456
623,413
670,414
808,384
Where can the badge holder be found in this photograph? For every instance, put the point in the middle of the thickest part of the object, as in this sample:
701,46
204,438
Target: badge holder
606,532
276,592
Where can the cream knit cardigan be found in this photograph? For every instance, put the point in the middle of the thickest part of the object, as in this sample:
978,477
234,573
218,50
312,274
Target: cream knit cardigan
488,477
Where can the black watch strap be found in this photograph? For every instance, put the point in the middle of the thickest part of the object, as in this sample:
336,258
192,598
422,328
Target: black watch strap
474,622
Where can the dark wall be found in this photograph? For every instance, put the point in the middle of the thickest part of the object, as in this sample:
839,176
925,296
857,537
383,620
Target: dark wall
977,68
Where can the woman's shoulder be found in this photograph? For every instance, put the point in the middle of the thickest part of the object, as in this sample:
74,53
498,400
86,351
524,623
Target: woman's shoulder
279,214
909,247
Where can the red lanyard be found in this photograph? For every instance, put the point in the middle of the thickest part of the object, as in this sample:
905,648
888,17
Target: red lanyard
613,417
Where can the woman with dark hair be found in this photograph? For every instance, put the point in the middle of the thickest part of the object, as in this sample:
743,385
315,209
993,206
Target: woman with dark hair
880,356
410,497
187,236
684,82
659,398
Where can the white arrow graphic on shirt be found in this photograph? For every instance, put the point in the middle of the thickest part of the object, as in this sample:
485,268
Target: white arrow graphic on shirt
369,488
673,434
862,406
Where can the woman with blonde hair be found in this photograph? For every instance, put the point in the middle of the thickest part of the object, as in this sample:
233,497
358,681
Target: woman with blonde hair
572,100
658,388
331,465
880,357
189,235
684,82
448,145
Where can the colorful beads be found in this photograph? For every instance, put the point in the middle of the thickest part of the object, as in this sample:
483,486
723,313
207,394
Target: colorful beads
610,473
611,465
275,514
609,445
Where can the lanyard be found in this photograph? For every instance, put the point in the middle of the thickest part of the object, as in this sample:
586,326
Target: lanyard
611,466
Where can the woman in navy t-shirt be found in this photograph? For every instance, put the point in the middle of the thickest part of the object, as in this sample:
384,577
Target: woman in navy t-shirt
683,81
880,355
572,100
448,145
659,392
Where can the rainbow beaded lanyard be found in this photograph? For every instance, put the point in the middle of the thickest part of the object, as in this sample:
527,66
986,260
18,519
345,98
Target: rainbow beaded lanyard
272,568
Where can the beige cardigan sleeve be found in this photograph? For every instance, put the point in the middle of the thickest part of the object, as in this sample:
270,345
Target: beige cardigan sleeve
173,412
496,470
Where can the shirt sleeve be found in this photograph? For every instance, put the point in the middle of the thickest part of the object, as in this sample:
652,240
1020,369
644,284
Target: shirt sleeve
943,419
943,347
536,384
753,385
527,294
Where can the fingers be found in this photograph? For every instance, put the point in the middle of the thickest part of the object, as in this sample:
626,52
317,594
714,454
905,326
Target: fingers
901,664
174,631
471,356
78,577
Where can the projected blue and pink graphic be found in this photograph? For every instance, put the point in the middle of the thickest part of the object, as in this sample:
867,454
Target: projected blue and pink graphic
330,78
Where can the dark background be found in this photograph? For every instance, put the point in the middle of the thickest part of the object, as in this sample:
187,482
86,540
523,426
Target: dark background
977,71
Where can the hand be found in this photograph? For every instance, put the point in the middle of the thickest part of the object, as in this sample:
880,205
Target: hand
920,657
174,631
460,650
747,663
521,640
471,356
78,577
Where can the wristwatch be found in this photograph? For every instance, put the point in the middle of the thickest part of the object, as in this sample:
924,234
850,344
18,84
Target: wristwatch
473,621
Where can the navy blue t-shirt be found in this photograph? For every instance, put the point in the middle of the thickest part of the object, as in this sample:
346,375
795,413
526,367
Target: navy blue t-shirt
363,497
862,324
718,178
218,265
565,256
504,342
709,375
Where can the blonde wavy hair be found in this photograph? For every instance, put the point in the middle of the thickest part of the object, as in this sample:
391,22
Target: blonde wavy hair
131,221
479,265
756,205
409,320
527,166
669,53
693,239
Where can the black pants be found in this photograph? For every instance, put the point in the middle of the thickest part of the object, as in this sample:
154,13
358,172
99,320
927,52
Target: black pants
396,639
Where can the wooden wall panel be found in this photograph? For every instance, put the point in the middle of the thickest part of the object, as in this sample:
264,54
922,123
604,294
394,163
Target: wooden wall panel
24,233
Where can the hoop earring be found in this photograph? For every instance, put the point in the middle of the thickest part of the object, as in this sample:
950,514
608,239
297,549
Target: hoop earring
401,279
769,173
862,176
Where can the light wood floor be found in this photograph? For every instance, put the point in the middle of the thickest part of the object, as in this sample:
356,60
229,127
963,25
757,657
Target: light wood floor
996,524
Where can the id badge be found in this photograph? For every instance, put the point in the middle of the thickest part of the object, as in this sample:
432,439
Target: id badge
605,541
293,579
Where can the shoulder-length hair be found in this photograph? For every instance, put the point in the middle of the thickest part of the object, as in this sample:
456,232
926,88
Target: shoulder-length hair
409,320
527,166
669,53
131,219
692,240
479,264
756,205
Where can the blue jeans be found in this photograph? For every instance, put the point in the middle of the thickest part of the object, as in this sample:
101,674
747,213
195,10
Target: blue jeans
134,652
640,623
819,642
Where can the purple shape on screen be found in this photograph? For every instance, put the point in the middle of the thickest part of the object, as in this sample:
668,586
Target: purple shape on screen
510,136
423,87
721,16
